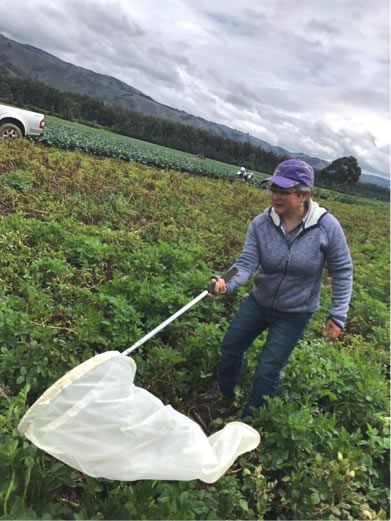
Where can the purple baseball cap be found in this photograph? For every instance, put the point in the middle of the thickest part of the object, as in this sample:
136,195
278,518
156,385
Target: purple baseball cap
292,172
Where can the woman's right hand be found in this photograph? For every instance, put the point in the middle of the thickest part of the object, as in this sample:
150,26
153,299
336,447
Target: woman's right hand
219,287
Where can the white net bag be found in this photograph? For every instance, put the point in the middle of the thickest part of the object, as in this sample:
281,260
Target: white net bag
97,421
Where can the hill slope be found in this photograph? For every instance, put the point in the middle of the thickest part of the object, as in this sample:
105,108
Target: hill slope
367,177
26,61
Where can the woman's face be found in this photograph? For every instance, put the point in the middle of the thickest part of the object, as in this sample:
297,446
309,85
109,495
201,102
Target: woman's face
286,201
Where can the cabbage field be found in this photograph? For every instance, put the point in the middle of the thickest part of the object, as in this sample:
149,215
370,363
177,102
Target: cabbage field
97,251
73,136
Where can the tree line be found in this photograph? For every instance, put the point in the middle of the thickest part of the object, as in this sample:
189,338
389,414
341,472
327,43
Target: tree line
341,175
180,136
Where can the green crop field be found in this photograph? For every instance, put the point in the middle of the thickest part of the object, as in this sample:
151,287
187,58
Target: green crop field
71,136
96,252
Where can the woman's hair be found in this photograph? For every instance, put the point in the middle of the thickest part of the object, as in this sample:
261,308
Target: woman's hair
303,188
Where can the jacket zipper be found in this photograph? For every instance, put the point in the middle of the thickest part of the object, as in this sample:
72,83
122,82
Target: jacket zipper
287,262
289,251
285,272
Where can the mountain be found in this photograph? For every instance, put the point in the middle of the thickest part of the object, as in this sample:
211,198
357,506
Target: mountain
26,61
369,177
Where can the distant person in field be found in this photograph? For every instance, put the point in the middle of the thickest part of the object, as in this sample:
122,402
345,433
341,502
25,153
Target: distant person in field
241,172
287,246
244,175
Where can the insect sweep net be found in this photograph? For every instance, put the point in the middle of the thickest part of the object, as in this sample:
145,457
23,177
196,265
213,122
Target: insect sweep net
97,421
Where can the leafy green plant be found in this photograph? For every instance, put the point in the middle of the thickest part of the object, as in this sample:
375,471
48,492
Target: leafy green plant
19,180
96,253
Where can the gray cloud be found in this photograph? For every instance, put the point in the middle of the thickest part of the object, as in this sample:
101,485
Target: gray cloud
241,26
329,27
108,19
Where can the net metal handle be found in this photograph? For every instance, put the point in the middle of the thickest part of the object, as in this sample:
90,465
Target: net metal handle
210,289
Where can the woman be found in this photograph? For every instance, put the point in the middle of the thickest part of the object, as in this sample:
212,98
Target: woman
287,245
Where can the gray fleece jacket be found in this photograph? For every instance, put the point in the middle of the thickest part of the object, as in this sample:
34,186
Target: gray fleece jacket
288,273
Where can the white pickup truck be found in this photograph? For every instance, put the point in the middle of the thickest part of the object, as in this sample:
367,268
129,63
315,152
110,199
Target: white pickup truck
16,122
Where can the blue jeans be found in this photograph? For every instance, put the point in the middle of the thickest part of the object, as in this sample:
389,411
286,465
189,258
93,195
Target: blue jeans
285,330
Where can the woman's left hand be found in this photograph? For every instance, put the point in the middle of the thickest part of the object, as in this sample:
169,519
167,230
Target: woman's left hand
331,331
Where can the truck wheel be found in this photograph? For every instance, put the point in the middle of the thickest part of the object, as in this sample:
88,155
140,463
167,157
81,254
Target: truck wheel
10,131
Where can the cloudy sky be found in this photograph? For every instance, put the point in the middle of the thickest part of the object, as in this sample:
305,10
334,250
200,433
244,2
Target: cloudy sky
311,76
